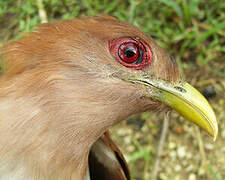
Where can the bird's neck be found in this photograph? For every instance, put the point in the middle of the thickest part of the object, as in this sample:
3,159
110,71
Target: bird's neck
31,146
40,136
47,129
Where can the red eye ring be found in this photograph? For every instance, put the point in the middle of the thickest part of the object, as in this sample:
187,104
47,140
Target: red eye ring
131,52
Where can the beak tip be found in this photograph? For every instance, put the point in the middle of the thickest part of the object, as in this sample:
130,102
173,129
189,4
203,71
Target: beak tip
214,125
213,129
215,134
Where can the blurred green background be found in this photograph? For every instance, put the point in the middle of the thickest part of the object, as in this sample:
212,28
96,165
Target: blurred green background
193,31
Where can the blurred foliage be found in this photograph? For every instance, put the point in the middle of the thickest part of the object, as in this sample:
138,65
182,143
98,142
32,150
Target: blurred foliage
191,29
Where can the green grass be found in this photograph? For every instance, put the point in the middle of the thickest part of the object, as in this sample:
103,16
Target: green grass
213,174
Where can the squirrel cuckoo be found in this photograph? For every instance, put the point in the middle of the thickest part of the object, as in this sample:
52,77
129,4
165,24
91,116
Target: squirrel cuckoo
65,84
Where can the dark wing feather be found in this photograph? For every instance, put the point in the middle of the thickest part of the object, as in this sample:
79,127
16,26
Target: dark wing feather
106,162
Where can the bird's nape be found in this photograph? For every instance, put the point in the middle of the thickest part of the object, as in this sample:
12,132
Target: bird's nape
65,84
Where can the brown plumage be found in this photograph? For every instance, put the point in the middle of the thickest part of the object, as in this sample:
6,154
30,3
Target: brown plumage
61,90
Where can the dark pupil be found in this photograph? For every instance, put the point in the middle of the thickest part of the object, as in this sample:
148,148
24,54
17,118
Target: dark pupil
129,52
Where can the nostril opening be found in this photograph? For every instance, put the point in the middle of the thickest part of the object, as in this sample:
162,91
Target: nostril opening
180,89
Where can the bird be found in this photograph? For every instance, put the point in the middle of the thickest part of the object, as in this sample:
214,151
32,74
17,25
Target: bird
65,84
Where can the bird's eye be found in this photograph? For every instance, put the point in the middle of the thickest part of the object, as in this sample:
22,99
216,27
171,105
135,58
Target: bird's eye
131,52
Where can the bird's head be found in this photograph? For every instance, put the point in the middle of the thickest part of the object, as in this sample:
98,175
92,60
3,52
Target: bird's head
111,64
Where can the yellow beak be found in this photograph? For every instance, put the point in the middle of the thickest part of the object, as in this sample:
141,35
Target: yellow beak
187,101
